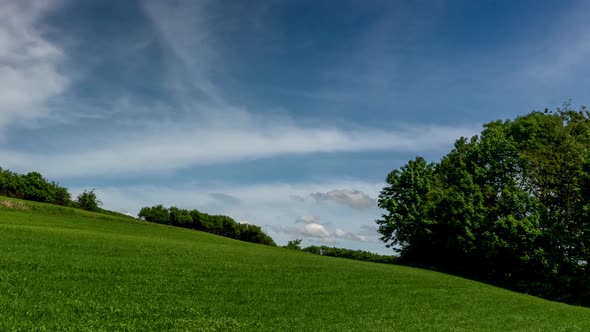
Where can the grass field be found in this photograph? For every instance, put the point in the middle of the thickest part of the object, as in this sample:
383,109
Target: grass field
69,270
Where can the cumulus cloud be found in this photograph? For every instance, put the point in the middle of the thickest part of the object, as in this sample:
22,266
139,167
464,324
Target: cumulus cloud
319,231
315,230
353,198
29,62
268,205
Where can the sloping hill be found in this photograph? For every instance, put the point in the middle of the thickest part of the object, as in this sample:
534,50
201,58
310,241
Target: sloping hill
64,269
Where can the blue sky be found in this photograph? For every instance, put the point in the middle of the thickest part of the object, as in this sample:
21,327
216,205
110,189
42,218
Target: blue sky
285,114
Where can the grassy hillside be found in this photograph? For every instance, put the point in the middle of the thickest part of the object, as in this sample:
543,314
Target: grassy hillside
71,270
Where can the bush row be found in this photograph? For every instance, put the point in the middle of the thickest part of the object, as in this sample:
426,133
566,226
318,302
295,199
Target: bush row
359,255
33,187
215,224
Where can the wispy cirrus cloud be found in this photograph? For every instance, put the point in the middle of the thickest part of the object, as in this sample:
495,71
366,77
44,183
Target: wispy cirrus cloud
187,30
212,130
30,73
172,147
563,51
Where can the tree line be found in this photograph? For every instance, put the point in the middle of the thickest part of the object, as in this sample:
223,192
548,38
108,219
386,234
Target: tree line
215,224
360,255
510,206
34,187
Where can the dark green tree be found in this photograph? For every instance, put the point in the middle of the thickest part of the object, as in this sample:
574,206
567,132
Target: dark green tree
88,201
32,186
509,206
294,244
179,217
409,198
158,214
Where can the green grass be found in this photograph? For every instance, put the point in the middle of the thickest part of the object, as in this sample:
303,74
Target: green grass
63,269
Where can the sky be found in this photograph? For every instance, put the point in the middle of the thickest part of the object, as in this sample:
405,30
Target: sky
287,114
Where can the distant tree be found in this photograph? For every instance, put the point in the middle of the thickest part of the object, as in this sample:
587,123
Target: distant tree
360,255
294,244
179,217
158,214
254,234
215,224
88,201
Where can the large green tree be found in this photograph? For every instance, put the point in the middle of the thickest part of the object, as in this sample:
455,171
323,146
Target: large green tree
510,206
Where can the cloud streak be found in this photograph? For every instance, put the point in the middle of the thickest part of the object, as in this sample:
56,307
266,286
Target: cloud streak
307,220
175,147
353,198
212,130
29,63
564,51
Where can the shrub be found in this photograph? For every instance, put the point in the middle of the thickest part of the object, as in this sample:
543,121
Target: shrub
294,244
33,187
88,201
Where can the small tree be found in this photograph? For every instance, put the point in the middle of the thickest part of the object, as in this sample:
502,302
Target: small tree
88,201
294,244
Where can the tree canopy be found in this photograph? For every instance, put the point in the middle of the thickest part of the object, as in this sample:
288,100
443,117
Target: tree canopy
510,206
32,186
216,224
88,201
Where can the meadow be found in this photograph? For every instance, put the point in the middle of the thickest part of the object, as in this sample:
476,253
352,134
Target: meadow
64,269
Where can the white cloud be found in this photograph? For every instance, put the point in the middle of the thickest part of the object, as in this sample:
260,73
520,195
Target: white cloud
268,205
214,131
315,230
166,148
353,198
29,62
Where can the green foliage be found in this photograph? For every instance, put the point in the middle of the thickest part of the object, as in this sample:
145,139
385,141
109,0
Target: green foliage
359,255
32,186
158,214
88,201
294,244
216,224
509,206
64,269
